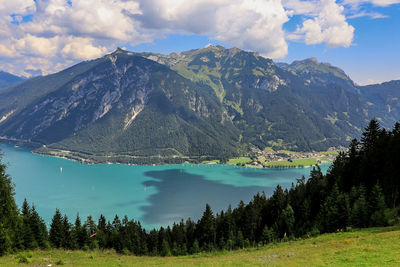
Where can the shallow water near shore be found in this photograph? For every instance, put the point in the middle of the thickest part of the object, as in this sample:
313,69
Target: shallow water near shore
154,195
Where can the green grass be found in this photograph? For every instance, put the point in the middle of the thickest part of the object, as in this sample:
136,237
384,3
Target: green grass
367,247
295,163
241,160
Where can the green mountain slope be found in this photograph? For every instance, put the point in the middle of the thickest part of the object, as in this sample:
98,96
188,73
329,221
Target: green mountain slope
124,108
303,106
383,101
199,104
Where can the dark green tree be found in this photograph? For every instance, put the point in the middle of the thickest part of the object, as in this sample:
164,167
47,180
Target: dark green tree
377,207
39,229
56,234
285,222
80,233
67,242
206,229
359,211
8,212
165,249
370,135
27,234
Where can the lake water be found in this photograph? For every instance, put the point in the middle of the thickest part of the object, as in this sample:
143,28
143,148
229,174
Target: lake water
154,195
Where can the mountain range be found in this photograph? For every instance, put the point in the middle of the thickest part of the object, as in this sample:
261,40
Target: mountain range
210,103
8,79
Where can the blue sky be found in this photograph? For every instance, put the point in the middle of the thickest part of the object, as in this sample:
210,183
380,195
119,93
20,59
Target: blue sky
373,56
360,36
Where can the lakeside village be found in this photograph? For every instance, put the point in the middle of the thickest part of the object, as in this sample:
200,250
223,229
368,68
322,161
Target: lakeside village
269,158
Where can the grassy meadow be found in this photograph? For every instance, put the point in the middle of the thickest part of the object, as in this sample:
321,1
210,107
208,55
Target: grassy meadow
366,247
294,163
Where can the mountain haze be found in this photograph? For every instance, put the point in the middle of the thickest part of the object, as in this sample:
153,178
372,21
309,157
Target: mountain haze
199,104
8,79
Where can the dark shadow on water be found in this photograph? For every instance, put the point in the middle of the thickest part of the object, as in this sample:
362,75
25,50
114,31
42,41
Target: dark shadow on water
267,174
182,195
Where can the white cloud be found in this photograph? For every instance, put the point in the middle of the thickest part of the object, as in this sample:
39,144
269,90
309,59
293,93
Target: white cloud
382,3
329,26
372,15
20,7
82,48
38,46
62,32
247,24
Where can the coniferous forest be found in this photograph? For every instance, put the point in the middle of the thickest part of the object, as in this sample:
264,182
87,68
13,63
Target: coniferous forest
361,189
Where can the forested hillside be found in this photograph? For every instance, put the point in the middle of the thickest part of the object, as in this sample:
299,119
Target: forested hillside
146,108
361,189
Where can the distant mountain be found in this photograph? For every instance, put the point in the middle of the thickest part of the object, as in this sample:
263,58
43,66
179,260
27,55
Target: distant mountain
383,101
8,79
199,104
316,73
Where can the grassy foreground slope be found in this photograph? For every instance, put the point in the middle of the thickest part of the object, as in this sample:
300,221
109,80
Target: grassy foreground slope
366,247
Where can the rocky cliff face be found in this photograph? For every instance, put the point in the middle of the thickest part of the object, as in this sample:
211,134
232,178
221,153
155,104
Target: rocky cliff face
206,103
129,104
305,105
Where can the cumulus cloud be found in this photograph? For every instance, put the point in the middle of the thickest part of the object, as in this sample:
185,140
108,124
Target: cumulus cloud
329,26
249,24
82,48
48,35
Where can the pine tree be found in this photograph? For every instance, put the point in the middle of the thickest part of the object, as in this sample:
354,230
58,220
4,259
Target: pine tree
377,207
91,229
27,234
68,236
5,241
102,234
359,211
8,213
285,222
268,235
196,247
79,233
396,129
206,228
165,250
56,235
116,239
336,210
370,135
39,229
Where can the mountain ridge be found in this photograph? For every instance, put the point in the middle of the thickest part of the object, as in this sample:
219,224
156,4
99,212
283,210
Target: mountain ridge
199,104
8,79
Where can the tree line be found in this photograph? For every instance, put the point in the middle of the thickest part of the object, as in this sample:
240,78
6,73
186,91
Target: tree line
360,189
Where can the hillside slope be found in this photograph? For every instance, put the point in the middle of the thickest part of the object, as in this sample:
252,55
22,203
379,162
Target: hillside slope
209,103
383,101
366,247
120,108
303,106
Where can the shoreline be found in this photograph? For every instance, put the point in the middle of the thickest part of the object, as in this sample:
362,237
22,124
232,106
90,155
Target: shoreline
160,161
88,162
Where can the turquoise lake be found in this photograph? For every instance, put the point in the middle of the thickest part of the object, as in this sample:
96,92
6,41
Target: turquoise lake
154,195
